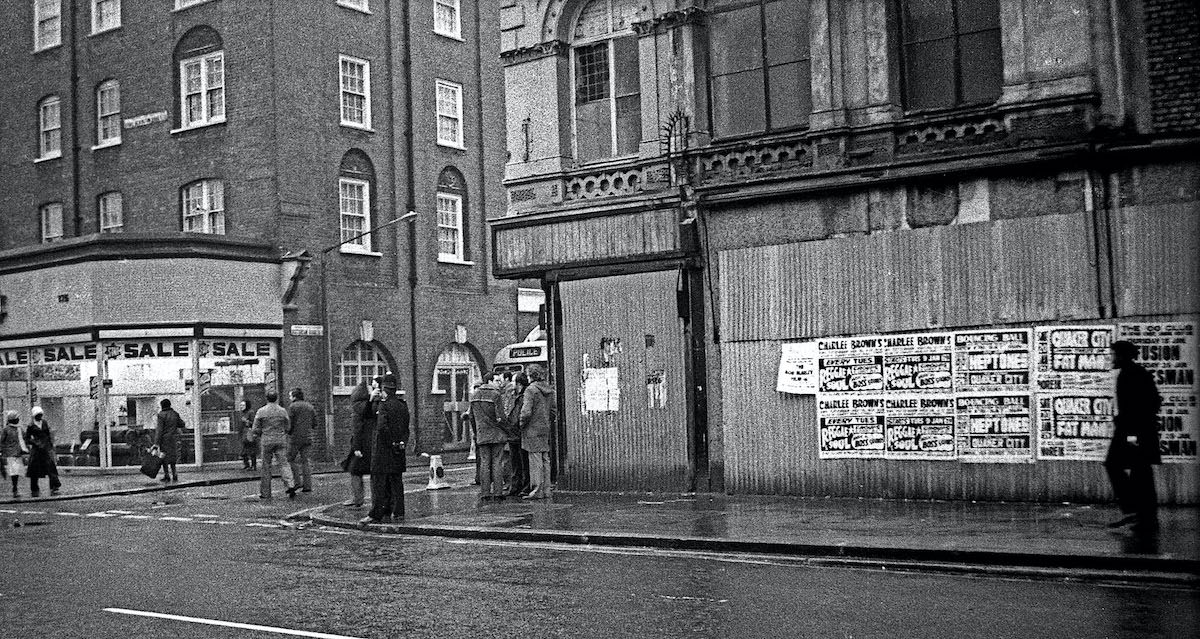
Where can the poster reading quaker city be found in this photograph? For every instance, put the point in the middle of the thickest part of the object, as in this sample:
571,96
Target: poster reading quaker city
1169,351
996,361
1074,378
995,427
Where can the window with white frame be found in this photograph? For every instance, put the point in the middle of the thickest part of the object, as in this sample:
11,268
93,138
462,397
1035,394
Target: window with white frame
354,202
108,113
449,114
355,77
607,84
47,24
202,90
360,5
52,221
446,19
112,215
203,204
450,227
360,363
49,128
106,14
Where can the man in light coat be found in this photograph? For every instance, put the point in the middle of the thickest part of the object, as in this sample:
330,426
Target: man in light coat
539,408
490,437
271,427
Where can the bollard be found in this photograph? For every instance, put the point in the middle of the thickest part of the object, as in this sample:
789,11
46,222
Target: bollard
437,474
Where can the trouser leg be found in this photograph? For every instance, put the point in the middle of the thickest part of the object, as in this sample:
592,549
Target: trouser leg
264,474
306,468
380,496
496,452
1143,496
535,474
285,469
357,490
396,486
33,487
1118,476
483,454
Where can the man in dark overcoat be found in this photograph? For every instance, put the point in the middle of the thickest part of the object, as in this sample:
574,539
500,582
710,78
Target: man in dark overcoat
387,457
1134,447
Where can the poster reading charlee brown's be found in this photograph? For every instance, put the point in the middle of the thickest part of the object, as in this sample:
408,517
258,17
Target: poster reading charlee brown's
1169,351
850,426
919,427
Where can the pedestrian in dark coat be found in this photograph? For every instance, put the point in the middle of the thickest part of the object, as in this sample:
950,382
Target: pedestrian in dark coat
304,419
168,426
490,437
358,461
12,449
40,442
518,483
1134,446
538,410
388,457
246,435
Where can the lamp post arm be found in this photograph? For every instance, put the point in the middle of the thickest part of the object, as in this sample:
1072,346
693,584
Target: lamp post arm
366,233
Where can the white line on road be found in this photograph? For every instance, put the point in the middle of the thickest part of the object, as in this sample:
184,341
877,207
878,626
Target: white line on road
207,516
258,525
8,512
175,518
136,517
104,513
121,512
33,512
229,624
67,514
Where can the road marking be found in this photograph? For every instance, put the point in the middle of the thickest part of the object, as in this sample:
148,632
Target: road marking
258,525
175,518
10,512
228,624
67,514
207,516
135,517
121,512
102,514
33,512
686,598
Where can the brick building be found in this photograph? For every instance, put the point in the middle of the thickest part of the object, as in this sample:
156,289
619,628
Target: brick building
870,248
184,191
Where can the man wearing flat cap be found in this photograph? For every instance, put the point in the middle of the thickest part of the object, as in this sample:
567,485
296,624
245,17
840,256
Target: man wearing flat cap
387,456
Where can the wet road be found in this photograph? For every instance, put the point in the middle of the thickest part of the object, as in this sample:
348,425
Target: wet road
205,555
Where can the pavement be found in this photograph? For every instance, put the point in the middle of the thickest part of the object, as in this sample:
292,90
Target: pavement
1055,541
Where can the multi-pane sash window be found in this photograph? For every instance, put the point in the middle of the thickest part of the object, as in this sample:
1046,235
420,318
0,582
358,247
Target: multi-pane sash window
763,83
106,14
450,227
356,91
47,24
446,18
354,200
360,363
52,221
449,114
203,205
608,104
108,113
49,128
951,52
112,216
202,84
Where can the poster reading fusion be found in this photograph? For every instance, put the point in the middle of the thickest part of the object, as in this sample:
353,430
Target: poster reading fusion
1169,351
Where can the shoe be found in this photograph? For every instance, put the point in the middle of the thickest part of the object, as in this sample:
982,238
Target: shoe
1124,521
351,502
245,466
291,492
365,521
35,495
165,480
54,493
306,490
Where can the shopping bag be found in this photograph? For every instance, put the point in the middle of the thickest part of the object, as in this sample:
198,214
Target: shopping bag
151,465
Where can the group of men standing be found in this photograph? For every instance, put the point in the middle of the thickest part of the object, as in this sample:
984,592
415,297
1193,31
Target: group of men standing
514,411
377,447
285,437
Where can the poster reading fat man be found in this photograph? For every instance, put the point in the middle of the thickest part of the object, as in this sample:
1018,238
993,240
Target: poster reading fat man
1168,350
1074,426
994,428
1074,357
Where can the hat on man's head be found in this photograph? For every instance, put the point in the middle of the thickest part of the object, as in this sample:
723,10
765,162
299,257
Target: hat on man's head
11,417
389,381
37,410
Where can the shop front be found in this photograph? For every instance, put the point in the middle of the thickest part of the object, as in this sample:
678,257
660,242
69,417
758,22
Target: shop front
102,398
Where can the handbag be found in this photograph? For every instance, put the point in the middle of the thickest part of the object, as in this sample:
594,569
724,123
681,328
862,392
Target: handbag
152,464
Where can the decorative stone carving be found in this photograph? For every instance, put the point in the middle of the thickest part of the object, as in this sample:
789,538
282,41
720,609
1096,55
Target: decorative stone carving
669,20
754,160
613,183
537,51
950,135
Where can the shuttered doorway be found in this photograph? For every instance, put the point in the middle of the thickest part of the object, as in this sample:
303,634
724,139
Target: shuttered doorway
625,422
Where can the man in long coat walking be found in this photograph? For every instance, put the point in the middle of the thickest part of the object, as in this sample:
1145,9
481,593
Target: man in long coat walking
1134,447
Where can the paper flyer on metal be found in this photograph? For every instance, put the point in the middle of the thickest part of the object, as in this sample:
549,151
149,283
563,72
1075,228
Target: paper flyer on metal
1168,350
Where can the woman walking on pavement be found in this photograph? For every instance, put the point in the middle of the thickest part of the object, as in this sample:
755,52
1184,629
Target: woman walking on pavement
41,453
168,426
538,409
246,435
358,461
12,450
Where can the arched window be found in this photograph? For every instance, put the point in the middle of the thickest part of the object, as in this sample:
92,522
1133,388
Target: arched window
759,69
200,78
454,377
108,113
951,52
360,362
49,128
356,189
451,213
606,80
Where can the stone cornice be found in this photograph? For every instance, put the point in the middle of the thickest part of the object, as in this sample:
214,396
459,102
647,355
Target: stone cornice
670,20
535,52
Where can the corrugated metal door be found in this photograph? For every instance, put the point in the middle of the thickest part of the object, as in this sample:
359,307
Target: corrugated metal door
623,352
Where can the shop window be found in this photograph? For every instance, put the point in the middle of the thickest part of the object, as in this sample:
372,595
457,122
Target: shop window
47,24
49,128
360,363
111,209
607,83
455,375
200,77
760,71
52,221
446,18
356,185
451,199
951,53
355,77
203,207
108,113
449,114
106,14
